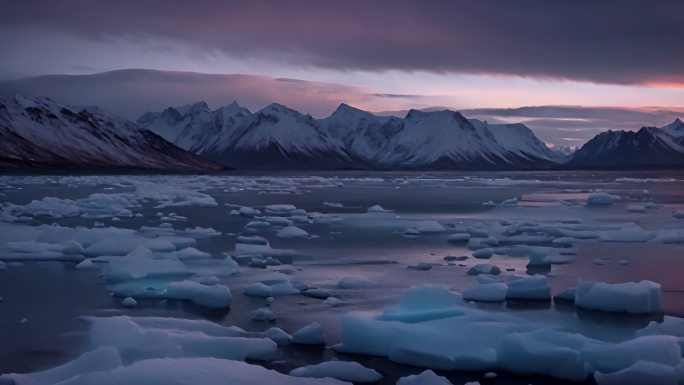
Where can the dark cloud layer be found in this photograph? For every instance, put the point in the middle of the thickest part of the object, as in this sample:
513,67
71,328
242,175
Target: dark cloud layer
608,41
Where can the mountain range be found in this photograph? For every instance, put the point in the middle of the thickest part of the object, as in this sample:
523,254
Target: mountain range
647,147
41,133
279,137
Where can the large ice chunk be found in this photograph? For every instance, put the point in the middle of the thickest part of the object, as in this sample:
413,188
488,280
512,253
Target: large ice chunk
629,297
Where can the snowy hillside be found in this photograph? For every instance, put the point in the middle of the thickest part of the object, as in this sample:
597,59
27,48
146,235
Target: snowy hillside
517,139
650,146
43,133
280,137
362,133
276,137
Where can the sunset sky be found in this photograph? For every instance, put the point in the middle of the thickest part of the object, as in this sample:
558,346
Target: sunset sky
609,64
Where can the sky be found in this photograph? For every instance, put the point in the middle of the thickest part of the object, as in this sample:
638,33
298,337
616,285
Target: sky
568,69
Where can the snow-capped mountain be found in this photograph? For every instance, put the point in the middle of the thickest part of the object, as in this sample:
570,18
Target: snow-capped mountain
280,137
194,127
650,146
362,133
44,133
562,154
518,141
277,137
273,137
675,128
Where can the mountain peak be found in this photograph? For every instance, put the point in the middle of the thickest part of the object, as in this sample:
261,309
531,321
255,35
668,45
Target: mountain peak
234,109
277,108
346,109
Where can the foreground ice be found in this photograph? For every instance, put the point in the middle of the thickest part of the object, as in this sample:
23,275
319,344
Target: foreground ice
631,297
427,329
167,371
431,327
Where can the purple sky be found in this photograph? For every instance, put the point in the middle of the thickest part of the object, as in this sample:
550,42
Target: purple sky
616,62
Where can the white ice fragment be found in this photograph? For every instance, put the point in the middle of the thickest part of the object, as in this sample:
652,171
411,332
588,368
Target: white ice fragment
488,292
458,238
484,253
566,295
292,232
484,268
538,257
564,241
278,335
599,261
630,297
86,264
311,334
427,377
214,296
251,240
411,232
333,205
262,314
429,227
424,302
258,289
341,370
332,301
129,302
513,202
601,199
636,208
377,209
208,281
420,266
534,287
248,212
257,225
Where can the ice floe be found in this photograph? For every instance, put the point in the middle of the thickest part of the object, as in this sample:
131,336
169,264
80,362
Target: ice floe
629,297
341,370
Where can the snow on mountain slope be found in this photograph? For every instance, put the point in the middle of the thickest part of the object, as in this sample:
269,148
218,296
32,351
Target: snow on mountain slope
441,137
562,154
675,128
194,127
650,146
446,139
361,132
43,133
278,137
517,139
210,130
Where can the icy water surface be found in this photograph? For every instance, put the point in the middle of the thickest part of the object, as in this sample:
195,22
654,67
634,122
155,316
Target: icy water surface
45,296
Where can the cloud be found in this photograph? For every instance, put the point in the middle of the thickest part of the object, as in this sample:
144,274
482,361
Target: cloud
132,92
567,125
398,96
611,41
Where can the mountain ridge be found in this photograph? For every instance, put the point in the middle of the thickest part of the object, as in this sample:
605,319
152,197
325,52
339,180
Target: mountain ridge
354,138
41,133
